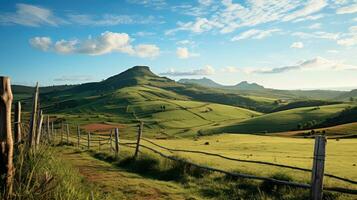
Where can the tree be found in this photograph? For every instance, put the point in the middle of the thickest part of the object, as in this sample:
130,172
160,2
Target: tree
352,99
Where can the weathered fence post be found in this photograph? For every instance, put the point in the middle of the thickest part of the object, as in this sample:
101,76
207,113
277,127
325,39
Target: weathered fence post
88,140
318,166
67,130
53,133
61,133
17,128
32,133
79,136
116,142
6,141
140,131
39,128
99,143
48,129
110,141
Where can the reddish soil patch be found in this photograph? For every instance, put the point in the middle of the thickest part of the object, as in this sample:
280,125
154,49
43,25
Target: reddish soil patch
101,127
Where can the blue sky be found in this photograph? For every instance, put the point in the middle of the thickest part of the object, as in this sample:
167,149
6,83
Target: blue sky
285,44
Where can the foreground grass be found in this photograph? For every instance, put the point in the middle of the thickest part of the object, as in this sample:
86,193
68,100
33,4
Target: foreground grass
44,175
204,184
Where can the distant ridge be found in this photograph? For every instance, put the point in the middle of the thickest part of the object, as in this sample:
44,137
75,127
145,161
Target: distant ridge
203,82
244,85
206,82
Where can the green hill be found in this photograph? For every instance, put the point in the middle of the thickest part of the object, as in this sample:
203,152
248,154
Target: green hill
280,121
348,96
166,107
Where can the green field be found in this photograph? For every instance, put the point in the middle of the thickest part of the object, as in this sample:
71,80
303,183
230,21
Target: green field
279,121
340,155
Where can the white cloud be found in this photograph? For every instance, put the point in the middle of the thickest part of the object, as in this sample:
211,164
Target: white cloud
111,20
183,53
205,2
315,26
233,15
205,71
318,35
332,51
311,6
42,43
65,47
350,38
199,26
144,34
297,45
310,17
347,9
30,15
157,4
315,64
147,50
255,34
185,42
107,42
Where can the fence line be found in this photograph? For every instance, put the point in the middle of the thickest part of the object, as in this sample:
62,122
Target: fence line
134,145
239,175
248,161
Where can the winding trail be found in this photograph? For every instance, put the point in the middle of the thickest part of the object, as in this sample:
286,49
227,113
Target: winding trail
116,183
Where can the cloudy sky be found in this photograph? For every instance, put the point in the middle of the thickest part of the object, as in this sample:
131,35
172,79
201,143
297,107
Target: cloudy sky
284,44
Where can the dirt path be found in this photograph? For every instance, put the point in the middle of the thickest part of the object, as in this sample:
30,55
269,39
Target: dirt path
116,183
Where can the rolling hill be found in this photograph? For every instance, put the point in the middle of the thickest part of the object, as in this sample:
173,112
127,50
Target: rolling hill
166,107
279,121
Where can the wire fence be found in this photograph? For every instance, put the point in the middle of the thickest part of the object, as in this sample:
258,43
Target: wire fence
106,143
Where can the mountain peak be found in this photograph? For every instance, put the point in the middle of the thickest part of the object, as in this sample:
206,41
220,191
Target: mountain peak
244,85
202,81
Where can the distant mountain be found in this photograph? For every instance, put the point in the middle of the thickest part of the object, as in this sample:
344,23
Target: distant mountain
244,85
203,82
348,95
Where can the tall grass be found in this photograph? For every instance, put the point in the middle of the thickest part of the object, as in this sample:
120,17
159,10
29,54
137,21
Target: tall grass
42,175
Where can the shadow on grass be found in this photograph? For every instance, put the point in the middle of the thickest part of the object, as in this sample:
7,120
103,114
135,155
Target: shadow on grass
206,183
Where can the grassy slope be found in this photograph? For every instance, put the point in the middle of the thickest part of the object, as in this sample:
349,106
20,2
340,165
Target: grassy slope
339,130
130,104
279,121
117,183
340,159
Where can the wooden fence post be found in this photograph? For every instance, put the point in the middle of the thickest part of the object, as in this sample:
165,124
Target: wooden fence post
17,128
53,132
6,141
33,122
39,128
88,140
48,129
110,141
61,133
67,128
99,143
318,166
140,131
116,142
79,136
